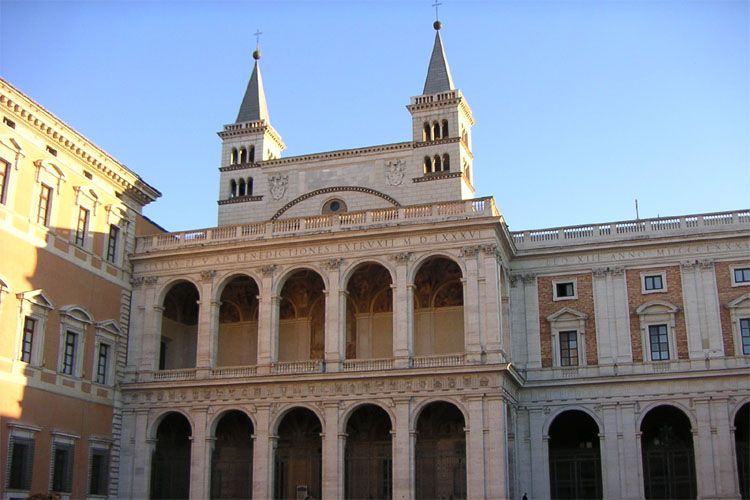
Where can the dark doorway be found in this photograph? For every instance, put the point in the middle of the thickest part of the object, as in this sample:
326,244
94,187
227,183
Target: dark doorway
574,456
742,447
441,452
297,471
170,467
232,457
367,461
668,459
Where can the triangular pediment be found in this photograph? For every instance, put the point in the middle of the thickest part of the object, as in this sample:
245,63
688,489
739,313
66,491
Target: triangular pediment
741,301
567,313
36,297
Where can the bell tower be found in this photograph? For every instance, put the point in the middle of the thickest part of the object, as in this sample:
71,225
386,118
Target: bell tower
442,121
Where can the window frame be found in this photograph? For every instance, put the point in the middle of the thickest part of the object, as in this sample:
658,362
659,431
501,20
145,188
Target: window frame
44,219
564,344
744,328
739,310
653,274
656,329
33,304
112,244
100,448
25,331
49,174
564,281
82,227
25,433
732,273
75,320
5,171
563,321
655,313
62,441
107,334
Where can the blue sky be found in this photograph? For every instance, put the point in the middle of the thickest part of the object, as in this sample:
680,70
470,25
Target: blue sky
581,106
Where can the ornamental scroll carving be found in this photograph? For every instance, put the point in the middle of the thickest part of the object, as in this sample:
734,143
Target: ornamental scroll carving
268,270
394,172
470,251
402,257
333,264
207,276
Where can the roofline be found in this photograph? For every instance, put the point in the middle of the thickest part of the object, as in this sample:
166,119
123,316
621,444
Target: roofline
147,191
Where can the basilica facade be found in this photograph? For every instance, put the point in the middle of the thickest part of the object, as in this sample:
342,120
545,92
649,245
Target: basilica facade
361,325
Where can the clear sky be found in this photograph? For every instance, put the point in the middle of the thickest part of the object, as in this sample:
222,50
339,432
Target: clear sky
581,106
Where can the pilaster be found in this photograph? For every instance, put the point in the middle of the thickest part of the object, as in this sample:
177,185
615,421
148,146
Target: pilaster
472,310
403,441
475,458
268,309
403,312
533,339
199,464
496,430
539,454
140,482
490,295
205,350
332,486
334,329
152,327
263,453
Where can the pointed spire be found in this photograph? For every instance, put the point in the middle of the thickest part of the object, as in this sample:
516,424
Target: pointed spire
438,72
253,105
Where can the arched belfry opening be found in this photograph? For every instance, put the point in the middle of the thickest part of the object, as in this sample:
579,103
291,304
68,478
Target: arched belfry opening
574,456
238,323
367,457
438,308
440,453
742,448
369,313
232,457
170,464
667,453
302,317
297,464
179,327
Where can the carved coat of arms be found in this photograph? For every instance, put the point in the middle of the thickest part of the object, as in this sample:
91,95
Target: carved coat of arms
394,172
277,184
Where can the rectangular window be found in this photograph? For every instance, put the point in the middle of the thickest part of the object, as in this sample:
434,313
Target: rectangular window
45,205
29,326
102,364
565,290
659,341
742,275
4,175
569,348
62,468
745,334
21,461
82,226
69,354
653,282
114,233
99,472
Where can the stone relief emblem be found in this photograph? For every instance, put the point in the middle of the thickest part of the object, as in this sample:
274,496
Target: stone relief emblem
277,185
394,172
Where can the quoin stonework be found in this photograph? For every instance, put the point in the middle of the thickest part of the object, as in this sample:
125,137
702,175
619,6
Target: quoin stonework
358,325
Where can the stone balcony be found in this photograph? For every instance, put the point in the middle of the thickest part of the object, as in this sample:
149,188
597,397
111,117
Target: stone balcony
632,229
413,214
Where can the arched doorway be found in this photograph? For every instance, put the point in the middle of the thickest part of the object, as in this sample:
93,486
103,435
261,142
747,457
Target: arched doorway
668,458
369,313
297,471
179,327
574,456
440,452
302,317
367,459
438,308
742,448
170,466
232,457
238,323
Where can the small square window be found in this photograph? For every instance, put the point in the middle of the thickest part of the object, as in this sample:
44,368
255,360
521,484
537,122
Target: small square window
651,283
564,290
741,275
745,335
659,342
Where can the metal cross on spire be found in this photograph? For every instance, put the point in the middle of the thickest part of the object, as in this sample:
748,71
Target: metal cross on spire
436,5
257,38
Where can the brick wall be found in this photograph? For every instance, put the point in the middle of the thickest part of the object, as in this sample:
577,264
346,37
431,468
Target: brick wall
673,295
583,303
727,293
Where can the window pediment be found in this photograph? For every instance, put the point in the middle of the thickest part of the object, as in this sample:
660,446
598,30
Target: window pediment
36,297
657,307
76,313
742,301
567,314
109,326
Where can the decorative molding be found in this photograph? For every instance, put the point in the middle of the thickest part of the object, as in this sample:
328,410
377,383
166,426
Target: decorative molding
268,270
207,276
601,272
402,257
470,251
238,166
277,185
436,176
529,278
333,264
151,280
394,172
136,281
240,199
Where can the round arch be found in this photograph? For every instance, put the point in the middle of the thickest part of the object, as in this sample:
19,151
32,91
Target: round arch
679,406
736,409
349,270
227,277
334,189
168,285
352,408
419,262
559,411
161,414
417,411
284,411
224,411
289,272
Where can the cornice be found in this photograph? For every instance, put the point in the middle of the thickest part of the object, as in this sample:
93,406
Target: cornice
61,134
341,153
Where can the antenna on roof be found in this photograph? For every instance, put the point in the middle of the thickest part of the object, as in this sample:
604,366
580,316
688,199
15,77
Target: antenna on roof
637,217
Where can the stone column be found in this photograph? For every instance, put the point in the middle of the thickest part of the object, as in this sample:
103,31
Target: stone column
403,312
496,471
539,454
199,466
204,353
263,453
533,339
475,458
609,447
725,459
472,333
140,482
332,477
490,296
267,321
137,328
151,334
334,330
706,466
631,452
402,453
